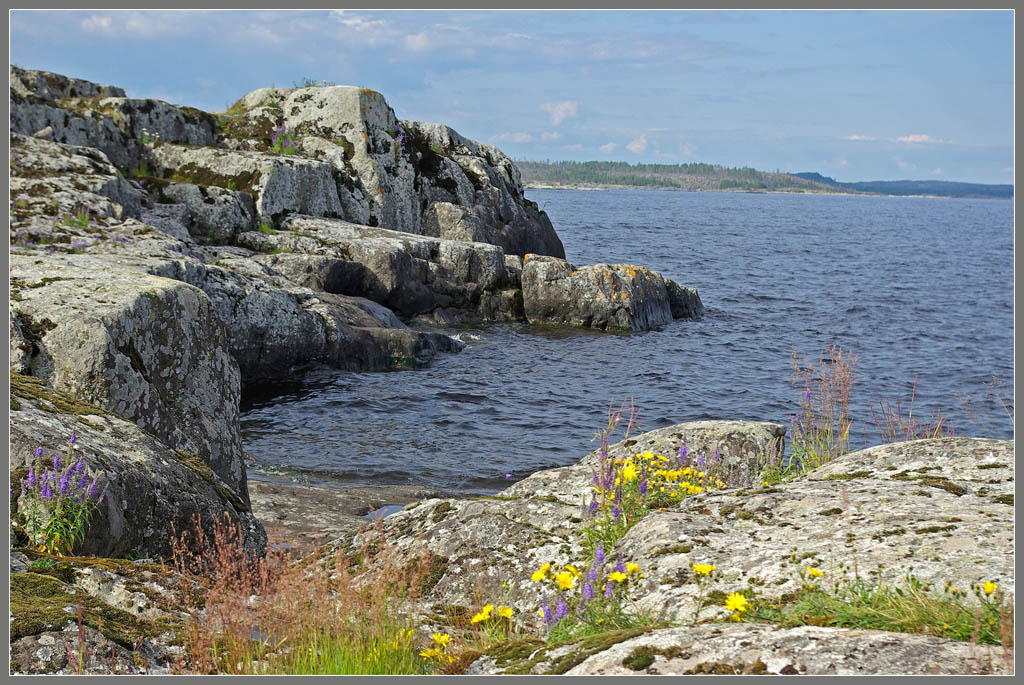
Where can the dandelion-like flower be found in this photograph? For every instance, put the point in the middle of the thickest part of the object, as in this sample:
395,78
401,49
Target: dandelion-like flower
704,569
504,612
815,573
484,614
617,576
441,639
541,573
565,580
737,603
989,587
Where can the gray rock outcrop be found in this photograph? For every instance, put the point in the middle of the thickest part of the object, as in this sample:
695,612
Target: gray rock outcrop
602,296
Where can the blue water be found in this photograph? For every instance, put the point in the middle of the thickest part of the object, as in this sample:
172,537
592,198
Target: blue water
913,286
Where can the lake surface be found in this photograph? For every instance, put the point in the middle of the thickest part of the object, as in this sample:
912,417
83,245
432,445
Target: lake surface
914,286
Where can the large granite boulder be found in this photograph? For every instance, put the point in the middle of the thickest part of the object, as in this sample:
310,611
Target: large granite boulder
154,490
86,114
407,273
602,296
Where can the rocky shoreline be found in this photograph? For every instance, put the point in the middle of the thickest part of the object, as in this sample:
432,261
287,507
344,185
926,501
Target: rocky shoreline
164,258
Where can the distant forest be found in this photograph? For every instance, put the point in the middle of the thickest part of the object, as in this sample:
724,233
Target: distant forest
697,176
702,176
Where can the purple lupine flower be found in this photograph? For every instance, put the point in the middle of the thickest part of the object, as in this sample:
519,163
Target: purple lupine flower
103,494
83,482
683,460
616,513
700,460
592,509
92,487
561,608
592,574
39,452
32,477
715,456
64,482
56,462
79,467
549,615
619,566
599,554
807,396
588,591
608,590
45,491
643,485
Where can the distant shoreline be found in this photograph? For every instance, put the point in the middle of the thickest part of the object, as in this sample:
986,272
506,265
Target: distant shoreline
534,185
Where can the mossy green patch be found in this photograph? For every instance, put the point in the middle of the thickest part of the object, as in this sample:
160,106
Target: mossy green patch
30,387
881,535
41,602
589,646
931,481
441,511
1005,499
830,512
849,476
991,466
934,529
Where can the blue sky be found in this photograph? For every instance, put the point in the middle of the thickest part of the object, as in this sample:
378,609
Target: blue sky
853,95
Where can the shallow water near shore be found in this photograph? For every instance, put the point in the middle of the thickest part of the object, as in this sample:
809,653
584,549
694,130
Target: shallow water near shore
914,286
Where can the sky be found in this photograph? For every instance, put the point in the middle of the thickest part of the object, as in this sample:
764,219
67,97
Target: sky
855,95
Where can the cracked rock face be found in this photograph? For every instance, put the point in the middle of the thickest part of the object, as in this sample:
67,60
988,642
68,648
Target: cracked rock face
603,296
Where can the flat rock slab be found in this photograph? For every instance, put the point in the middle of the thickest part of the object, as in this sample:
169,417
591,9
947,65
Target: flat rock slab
302,516
750,649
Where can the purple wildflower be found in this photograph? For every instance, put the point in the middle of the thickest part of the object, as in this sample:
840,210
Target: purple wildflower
45,491
92,487
83,482
700,460
549,615
608,590
79,467
599,554
64,482
715,456
39,451
643,485
617,513
32,477
56,462
619,566
807,396
683,460
592,575
588,591
592,509
561,608
103,494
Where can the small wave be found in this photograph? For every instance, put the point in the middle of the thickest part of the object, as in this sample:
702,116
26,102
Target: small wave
467,337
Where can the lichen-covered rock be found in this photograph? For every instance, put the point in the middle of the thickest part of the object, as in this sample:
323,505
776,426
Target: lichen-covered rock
603,296
147,348
746,649
119,636
406,273
97,116
214,213
504,538
684,302
275,328
153,489
56,181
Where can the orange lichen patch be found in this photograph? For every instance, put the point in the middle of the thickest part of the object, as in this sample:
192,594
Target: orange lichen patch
526,257
364,135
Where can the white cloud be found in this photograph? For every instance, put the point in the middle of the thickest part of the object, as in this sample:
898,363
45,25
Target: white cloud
858,137
356,22
902,164
96,24
608,147
937,172
637,145
921,138
418,42
573,148
143,24
513,137
367,31
549,136
560,111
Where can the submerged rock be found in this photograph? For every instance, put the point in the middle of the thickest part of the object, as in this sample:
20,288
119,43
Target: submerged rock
602,296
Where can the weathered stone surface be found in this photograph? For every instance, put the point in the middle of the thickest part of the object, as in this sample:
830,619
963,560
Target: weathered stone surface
275,328
684,302
406,273
214,213
131,619
153,489
603,296
504,538
753,649
147,348
97,116
54,180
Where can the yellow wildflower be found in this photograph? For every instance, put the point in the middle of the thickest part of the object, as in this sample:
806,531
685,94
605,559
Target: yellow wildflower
505,612
632,568
814,573
617,576
573,570
565,580
441,638
736,602
541,573
484,614
629,472
990,587
704,569
431,653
